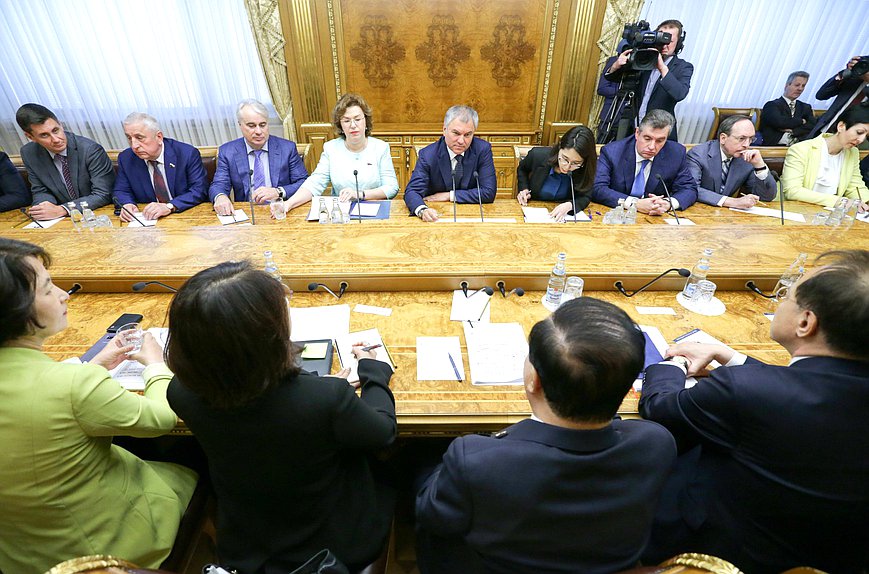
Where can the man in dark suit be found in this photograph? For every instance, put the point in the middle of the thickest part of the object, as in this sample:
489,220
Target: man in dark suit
776,458
13,192
725,166
61,165
848,89
165,174
273,163
787,120
446,169
569,490
666,85
631,168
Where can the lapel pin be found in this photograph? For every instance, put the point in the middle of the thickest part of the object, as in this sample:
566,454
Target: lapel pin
171,165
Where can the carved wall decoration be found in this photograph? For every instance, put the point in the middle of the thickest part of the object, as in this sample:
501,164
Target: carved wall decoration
412,105
443,51
507,50
377,51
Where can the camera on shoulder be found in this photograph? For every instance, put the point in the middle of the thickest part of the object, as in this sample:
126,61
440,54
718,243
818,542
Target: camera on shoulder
646,45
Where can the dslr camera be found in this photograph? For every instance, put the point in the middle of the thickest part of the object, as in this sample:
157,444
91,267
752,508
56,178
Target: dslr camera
646,45
860,68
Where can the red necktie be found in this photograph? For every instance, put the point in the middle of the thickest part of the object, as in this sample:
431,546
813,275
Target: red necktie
160,189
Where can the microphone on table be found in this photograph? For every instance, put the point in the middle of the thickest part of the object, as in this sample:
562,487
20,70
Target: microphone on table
127,211
781,200
453,178
250,198
487,290
751,286
621,288
24,211
572,197
519,291
342,287
358,197
669,198
142,284
76,287
479,195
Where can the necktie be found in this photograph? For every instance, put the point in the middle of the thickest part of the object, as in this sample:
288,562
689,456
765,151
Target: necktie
793,107
160,189
725,167
259,175
67,176
459,171
639,187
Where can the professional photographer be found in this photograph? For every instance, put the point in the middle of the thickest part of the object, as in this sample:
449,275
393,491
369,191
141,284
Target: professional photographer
849,88
663,79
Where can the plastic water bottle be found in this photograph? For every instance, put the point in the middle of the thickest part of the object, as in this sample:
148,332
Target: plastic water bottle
74,215
324,213
336,216
630,210
271,267
556,283
88,219
791,275
698,274
615,216
838,213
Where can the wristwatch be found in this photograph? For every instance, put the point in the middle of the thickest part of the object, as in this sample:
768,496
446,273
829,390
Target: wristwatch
171,207
759,169
281,193
679,360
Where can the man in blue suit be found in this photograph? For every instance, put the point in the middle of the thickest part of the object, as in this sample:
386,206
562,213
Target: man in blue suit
446,169
775,459
642,165
164,174
725,166
570,489
273,163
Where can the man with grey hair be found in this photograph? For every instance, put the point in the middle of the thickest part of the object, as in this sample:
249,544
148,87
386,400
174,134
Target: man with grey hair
164,174
787,120
271,164
458,167
646,166
728,174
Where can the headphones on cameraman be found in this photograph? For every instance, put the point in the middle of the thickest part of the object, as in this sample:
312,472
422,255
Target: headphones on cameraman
675,24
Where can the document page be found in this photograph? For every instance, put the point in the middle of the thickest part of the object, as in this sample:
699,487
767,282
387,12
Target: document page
324,322
345,343
439,359
129,373
496,353
474,307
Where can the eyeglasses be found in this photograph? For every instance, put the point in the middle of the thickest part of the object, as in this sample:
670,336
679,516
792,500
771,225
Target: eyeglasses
351,121
742,139
566,161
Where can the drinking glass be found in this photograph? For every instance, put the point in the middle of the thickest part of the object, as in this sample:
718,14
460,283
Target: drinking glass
572,289
131,334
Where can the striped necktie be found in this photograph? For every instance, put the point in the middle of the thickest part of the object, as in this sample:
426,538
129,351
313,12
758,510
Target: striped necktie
259,174
67,176
160,189
725,168
459,172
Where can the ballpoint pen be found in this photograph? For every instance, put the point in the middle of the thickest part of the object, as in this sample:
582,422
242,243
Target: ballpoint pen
371,347
455,368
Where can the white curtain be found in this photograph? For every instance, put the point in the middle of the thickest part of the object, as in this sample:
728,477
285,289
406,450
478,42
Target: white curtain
743,50
92,62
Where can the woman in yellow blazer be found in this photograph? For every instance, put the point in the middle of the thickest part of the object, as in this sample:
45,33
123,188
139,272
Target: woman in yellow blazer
823,169
65,490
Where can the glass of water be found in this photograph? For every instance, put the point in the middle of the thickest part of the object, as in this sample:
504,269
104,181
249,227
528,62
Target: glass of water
131,334
706,291
572,289
278,209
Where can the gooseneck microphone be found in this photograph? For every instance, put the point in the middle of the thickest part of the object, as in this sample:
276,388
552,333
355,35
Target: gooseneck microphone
479,194
487,290
751,286
519,291
670,199
127,211
621,288
358,197
250,199
781,202
30,217
76,287
572,197
142,284
342,287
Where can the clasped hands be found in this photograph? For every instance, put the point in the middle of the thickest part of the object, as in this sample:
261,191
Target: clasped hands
653,205
223,206
699,355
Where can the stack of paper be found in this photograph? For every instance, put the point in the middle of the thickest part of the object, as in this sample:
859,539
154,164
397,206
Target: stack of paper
496,353
345,343
541,215
474,307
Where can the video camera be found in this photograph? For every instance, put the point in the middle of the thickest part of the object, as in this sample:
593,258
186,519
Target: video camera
646,45
860,68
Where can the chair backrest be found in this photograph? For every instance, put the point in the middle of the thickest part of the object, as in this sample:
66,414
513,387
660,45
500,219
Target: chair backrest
818,113
519,153
721,113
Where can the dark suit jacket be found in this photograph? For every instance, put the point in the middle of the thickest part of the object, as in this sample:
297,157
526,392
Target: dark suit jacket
534,169
704,161
286,168
782,479
667,91
13,192
615,173
433,174
843,90
776,118
290,470
185,176
92,173
539,498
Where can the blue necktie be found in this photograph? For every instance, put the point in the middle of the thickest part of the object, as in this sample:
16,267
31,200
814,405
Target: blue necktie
639,187
259,176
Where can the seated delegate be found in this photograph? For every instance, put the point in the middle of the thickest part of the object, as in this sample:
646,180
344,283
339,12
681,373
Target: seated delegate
545,174
13,192
823,169
354,158
290,453
65,490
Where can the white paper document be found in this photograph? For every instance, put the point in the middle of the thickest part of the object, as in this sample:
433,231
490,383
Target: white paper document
238,215
864,217
682,221
496,353
439,359
129,373
314,213
474,307
767,212
372,309
344,345
43,224
140,221
326,322
368,209
541,215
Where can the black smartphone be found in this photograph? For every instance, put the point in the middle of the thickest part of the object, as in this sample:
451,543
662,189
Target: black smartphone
123,320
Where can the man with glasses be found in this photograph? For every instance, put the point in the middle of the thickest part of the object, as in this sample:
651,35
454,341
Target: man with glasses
775,459
648,167
728,174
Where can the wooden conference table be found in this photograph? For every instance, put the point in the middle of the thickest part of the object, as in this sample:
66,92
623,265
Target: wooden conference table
411,267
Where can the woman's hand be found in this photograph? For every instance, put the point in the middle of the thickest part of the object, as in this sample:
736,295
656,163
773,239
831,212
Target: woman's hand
348,194
561,211
359,352
151,351
523,196
112,355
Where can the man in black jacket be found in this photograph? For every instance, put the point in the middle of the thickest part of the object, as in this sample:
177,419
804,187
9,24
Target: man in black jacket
787,120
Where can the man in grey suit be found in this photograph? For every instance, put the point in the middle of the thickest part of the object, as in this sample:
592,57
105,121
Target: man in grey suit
724,167
62,166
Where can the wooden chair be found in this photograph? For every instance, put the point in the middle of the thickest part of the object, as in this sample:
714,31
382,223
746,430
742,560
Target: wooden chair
688,564
519,153
818,113
100,564
722,113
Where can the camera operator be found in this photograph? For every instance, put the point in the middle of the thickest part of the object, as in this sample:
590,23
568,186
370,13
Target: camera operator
849,88
662,87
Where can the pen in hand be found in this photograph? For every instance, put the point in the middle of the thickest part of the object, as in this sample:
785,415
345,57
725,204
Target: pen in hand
371,347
